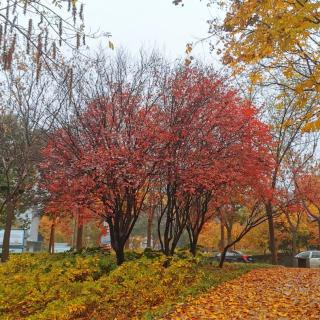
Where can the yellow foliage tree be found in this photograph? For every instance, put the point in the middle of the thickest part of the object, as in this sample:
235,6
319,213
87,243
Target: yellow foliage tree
282,38
210,235
63,230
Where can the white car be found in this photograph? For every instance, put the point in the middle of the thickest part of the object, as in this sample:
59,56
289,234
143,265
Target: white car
308,259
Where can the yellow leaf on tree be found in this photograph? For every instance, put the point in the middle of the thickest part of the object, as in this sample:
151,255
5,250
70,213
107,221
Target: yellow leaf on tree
300,88
255,77
288,123
288,72
312,126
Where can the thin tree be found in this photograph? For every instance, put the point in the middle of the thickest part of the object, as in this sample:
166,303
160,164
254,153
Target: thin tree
23,122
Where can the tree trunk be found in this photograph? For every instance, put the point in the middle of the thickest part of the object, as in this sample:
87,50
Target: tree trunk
117,242
79,244
120,254
166,249
294,242
127,244
319,234
74,234
174,244
117,246
221,233
272,242
223,255
171,235
193,248
193,240
7,231
149,228
229,235
52,236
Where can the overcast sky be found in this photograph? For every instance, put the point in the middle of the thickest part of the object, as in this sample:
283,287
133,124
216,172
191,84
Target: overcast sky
151,23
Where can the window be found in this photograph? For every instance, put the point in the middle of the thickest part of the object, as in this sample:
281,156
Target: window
316,254
304,255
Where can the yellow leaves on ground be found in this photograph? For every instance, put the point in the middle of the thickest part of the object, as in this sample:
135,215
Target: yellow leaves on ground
277,293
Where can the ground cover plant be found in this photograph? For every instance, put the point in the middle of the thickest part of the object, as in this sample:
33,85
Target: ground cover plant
91,286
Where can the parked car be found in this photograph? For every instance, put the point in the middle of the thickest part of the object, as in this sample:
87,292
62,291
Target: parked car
235,256
308,259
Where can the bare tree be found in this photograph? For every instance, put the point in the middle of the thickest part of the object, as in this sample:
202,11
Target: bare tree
24,119
286,122
43,26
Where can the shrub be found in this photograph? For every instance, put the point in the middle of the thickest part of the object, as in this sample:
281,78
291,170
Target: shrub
91,286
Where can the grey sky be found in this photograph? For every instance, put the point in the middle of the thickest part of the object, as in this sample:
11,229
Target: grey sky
151,23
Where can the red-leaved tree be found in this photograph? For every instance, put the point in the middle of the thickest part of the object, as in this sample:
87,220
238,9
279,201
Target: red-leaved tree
104,161
213,141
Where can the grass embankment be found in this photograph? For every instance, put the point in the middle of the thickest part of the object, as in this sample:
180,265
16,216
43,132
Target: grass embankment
91,286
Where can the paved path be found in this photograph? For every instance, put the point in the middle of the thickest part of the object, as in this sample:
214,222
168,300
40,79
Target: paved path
277,293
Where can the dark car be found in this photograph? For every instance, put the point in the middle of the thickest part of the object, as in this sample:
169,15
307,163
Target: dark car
235,256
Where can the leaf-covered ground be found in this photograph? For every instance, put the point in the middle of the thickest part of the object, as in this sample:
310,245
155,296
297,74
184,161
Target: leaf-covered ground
277,293
91,286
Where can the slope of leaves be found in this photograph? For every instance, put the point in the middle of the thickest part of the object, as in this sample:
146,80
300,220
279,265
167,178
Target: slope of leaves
276,293
91,286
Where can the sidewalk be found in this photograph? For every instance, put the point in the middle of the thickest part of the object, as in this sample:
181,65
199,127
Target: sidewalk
275,293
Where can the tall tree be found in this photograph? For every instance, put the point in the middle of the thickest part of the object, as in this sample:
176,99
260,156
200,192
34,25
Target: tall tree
287,121
211,143
274,43
102,158
23,122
